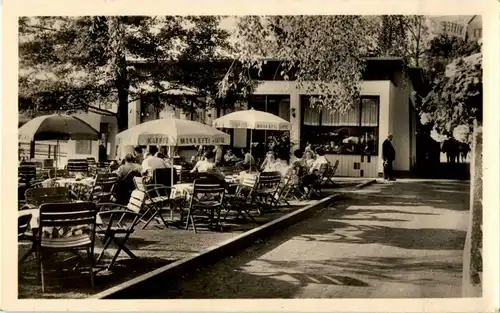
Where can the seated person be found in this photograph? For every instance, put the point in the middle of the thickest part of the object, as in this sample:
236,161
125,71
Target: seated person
129,166
312,175
230,157
248,159
152,162
270,164
320,160
308,158
207,164
298,167
138,154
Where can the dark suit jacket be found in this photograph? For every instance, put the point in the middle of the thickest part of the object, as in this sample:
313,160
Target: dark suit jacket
388,152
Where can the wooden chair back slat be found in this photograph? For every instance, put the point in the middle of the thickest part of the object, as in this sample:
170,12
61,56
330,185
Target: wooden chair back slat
323,168
67,214
205,189
139,184
333,169
61,173
136,201
27,172
23,222
187,176
78,165
38,196
165,176
227,170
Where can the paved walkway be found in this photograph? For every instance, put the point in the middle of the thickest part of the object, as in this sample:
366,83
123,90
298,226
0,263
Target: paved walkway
394,240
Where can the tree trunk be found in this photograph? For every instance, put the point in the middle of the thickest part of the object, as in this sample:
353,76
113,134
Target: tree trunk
122,113
119,67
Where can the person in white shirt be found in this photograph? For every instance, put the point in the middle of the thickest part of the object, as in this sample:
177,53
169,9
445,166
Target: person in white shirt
207,164
270,164
247,161
152,162
308,158
320,160
218,154
310,178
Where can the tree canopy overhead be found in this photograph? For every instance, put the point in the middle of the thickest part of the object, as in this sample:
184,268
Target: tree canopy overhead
83,63
327,49
456,100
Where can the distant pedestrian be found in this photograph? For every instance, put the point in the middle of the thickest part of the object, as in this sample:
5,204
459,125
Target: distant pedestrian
451,148
464,151
388,155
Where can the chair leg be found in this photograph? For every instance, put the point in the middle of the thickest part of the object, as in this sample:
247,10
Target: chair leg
40,265
150,219
90,263
106,245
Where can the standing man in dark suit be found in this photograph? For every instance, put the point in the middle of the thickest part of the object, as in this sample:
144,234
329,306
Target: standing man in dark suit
388,155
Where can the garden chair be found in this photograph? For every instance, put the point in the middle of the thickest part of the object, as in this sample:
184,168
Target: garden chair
118,224
38,196
316,186
165,176
207,198
267,190
76,166
28,175
23,233
156,198
244,200
103,188
58,173
328,179
123,189
58,216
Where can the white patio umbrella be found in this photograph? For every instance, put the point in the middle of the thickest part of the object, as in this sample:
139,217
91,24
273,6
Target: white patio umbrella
173,132
252,119
56,127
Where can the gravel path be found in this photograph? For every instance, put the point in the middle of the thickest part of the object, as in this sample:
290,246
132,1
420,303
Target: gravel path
397,240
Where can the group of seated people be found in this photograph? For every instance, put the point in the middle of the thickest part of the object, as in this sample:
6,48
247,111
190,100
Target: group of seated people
304,167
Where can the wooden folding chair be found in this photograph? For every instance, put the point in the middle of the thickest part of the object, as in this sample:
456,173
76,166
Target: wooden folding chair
267,189
103,188
156,198
28,174
60,216
332,169
23,233
78,166
316,186
58,173
38,196
118,224
244,200
208,197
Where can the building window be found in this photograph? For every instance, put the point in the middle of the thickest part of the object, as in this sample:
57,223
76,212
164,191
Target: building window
83,147
354,132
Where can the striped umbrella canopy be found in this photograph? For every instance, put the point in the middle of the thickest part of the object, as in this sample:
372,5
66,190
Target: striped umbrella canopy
57,127
173,132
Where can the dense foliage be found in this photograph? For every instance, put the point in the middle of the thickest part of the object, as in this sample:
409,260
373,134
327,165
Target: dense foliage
83,63
327,49
455,103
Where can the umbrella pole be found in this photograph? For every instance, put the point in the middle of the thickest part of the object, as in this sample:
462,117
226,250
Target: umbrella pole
172,169
251,154
57,157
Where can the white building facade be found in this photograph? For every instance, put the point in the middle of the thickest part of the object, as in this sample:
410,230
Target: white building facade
355,139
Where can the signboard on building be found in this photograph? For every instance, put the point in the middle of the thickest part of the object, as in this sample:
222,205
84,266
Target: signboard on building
463,26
